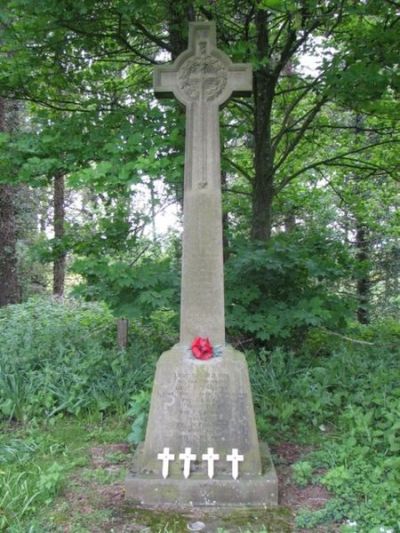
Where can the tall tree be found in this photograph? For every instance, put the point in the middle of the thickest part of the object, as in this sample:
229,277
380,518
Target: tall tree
290,106
9,283
58,223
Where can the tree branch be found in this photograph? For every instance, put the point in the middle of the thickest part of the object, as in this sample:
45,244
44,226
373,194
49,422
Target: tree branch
308,120
235,191
248,176
124,41
154,38
330,160
344,337
278,137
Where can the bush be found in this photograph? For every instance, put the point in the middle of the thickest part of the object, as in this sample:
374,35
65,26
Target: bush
302,473
276,291
133,293
59,357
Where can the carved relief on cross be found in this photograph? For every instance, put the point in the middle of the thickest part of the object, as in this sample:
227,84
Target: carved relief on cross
202,78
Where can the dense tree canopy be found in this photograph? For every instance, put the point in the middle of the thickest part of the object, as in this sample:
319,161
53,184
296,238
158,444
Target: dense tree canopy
313,155
90,160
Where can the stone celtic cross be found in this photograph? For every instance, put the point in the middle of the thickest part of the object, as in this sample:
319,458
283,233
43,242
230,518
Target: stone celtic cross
202,78
202,405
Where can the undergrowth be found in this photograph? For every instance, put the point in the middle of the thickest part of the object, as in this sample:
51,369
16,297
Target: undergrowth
348,404
57,360
60,358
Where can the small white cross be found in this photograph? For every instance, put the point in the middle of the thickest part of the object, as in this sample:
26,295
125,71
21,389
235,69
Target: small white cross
187,457
165,457
210,457
235,458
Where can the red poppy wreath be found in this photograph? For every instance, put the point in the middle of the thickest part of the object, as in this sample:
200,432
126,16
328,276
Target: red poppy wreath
202,348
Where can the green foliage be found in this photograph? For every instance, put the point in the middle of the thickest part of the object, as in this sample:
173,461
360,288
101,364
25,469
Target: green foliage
336,392
276,291
35,463
368,42
58,357
139,410
383,330
346,400
305,390
24,484
130,291
302,472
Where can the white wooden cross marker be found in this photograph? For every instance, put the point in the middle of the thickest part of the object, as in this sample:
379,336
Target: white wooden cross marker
235,458
202,78
165,457
210,457
187,457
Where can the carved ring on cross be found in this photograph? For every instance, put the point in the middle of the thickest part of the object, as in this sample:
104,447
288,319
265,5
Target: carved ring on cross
202,78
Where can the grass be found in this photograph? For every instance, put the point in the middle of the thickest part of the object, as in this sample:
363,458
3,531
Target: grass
37,460
69,474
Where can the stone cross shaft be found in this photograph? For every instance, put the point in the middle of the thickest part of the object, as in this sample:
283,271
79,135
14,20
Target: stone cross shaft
202,78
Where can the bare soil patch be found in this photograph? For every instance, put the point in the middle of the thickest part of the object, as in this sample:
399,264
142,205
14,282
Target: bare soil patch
291,495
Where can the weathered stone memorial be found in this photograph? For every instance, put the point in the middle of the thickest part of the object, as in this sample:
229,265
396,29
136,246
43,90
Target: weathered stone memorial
201,446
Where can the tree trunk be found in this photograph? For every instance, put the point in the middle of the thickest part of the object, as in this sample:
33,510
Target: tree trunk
10,292
9,284
178,16
153,211
362,250
264,88
122,333
44,203
179,13
363,281
225,223
58,221
290,222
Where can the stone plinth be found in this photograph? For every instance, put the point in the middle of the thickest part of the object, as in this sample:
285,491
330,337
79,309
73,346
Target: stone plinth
199,491
202,404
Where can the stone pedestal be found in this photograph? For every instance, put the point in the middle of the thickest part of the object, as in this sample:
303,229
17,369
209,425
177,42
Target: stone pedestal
202,404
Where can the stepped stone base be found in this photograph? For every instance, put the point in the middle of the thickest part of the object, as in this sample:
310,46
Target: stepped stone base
198,491
202,404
